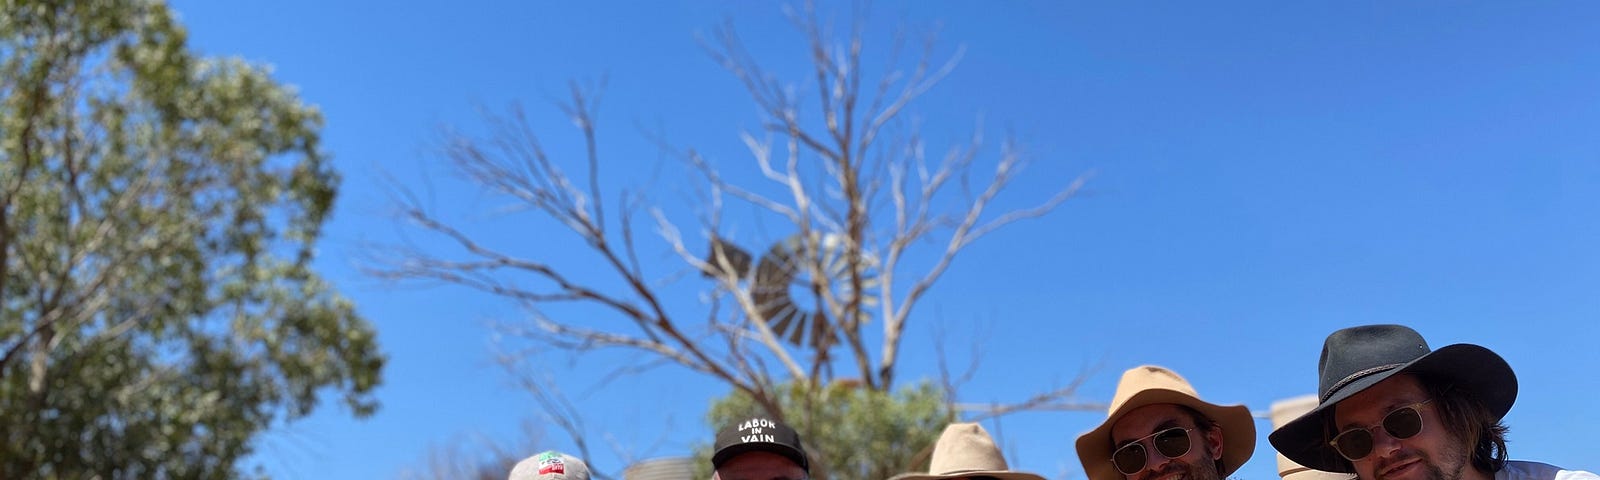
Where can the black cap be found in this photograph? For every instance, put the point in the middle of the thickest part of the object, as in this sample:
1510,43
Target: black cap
759,434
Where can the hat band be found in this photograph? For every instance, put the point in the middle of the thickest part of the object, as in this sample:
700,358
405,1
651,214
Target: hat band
1353,377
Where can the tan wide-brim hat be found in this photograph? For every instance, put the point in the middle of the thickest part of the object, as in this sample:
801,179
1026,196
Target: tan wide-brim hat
1152,385
966,450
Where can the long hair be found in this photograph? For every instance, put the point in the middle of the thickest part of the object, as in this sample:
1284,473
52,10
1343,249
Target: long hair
1206,424
1469,420
1464,418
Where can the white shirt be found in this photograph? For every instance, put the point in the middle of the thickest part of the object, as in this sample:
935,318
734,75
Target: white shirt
1520,470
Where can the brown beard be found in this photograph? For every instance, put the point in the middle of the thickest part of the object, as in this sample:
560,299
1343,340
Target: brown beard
1205,469
1456,461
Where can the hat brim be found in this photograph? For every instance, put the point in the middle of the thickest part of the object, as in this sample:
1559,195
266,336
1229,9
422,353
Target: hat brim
1000,474
727,453
1490,380
1238,427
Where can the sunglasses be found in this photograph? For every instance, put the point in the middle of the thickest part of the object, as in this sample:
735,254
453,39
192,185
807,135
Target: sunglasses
1172,442
1402,423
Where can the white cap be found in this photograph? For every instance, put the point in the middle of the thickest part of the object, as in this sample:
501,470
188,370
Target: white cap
550,465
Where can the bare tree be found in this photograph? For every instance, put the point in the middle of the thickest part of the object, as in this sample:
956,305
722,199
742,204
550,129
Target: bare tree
854,186
475,457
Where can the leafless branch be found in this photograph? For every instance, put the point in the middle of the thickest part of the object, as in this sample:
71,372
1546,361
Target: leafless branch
861,189
670,233
1059,399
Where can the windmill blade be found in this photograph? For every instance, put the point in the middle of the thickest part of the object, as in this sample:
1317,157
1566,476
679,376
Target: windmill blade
770,289
736,257
781,267
821,332
836,264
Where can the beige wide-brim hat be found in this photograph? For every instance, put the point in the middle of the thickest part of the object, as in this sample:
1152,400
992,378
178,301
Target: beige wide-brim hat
966,450
1152,385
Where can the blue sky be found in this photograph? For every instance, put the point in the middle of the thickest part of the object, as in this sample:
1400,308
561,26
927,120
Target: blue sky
1266,173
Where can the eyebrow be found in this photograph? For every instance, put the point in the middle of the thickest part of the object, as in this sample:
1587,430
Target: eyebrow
1159,427
1387,409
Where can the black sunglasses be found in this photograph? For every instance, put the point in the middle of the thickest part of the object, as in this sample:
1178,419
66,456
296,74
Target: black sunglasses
1402,423
1173,443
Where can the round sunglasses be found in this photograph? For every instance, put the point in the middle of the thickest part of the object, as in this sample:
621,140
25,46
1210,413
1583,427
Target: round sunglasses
1172,443
1401,423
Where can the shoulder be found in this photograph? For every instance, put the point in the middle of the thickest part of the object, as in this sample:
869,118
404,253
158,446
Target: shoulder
1521,470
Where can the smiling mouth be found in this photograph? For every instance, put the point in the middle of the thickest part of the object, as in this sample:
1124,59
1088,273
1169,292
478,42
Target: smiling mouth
1167,474
1402,466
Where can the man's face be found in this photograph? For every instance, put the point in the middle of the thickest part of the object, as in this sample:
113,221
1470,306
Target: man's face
1432,454
1199,463
760,466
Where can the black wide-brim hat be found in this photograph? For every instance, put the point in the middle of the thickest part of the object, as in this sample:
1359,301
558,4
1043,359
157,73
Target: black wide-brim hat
1357,358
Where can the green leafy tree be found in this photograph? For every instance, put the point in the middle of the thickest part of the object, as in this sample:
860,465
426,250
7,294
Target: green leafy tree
865,434
158,213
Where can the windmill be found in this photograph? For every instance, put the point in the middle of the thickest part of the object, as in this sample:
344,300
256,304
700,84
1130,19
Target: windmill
780,268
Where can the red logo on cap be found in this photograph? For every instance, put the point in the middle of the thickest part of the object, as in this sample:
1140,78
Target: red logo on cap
552,467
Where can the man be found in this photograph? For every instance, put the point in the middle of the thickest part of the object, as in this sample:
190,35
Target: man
1158,427
1390,408
759,449
551,465
965,451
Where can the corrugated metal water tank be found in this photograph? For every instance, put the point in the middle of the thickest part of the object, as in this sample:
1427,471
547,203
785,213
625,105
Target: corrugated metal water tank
672,468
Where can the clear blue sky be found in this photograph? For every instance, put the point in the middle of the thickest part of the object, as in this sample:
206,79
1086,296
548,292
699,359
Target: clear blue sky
1267,173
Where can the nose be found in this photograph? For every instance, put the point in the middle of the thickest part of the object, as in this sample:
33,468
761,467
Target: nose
1383,444
1154,460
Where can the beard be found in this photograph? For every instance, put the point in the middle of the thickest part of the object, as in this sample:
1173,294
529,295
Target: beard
1204,469
1448,466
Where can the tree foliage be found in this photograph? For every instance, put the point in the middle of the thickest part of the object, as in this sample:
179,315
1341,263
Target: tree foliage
158,213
